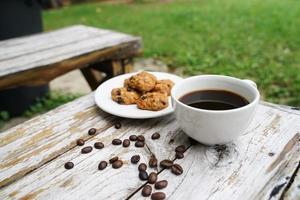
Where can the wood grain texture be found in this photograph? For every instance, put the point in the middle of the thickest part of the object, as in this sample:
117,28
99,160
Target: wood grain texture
38,59
37,141
293,190
259,165
246,169
42,75
53,181
65,44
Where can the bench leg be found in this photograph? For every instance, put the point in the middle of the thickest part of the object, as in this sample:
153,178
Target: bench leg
111,68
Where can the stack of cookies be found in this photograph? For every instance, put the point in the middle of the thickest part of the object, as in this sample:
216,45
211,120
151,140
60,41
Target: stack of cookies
144,90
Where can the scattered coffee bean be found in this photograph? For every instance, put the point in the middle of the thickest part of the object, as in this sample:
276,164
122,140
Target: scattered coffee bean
143,175
141,138
113,159
118,125
176,169
271,154
158,196
117,164
146,192
179,155
161,184
133,138
153,162
92,131
99,145
152,178
87,149
166,163
80,142
139,144
155,136
180,149
69,165
126,143
135,159
116,142
142,167
102,165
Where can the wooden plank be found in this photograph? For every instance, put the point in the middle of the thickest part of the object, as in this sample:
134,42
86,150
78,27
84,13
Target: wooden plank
208,172
293,192
61,53
246,168
47,73
281,182
26,45
85,181
37,141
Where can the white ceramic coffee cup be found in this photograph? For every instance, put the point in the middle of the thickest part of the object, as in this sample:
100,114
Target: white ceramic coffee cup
214,126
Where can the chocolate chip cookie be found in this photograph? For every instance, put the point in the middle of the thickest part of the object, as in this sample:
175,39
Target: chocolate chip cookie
163,86
142,82
153,101
124,95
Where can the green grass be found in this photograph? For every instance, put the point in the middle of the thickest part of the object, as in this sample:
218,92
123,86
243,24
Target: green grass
252,39
49,102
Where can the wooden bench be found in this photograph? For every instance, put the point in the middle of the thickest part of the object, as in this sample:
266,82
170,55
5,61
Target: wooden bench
39,58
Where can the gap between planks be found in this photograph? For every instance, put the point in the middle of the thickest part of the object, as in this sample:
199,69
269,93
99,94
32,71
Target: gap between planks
290,182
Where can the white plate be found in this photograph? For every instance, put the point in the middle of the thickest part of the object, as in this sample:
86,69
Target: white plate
104,101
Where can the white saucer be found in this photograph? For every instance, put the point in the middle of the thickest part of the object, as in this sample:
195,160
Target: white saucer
104,101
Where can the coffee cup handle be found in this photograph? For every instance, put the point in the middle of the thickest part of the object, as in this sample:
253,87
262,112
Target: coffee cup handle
250,82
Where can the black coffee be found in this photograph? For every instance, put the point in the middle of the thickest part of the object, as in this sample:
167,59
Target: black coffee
214,100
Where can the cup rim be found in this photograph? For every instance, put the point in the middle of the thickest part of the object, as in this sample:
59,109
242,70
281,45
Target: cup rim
253,102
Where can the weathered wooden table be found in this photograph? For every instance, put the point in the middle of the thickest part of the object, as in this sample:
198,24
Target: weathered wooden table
261,164
37,59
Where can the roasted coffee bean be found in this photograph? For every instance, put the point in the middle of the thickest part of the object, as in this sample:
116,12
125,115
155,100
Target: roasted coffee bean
92,131
133,137
139,144
271,154
113,159
179,155
141,138
166,163
142,167
158,196
102,165
69,165
135,159
87,149
152,177
180,149
116,142
80,142
161,184
176,169
146,192
118,125
98,145
126,143
143,175
152,162
155,136
117,164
